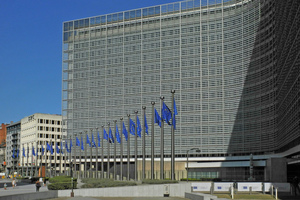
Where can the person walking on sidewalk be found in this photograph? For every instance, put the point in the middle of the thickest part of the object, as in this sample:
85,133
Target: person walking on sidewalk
13,183
37,185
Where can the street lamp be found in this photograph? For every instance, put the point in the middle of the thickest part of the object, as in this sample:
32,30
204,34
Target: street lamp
72,193
187,161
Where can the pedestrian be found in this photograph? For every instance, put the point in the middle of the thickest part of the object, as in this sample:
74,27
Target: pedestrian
296,185
37,185
13,183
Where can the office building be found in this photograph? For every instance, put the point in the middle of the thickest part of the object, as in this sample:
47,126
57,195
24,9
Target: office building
234,65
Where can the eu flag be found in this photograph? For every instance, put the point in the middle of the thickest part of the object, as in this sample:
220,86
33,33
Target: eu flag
57,149
77,142
51,149
105,136
146,125
166,113
82,148
125,133
111,137
48,148
33,152
132,127
139,128
13,155
98,136
118,134
24,152
157,118
66,147
93,141
88,140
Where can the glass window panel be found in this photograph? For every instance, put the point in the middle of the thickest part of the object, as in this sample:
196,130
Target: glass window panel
145,12
97,20
183,5
132,14
190,4
151,11
127,15
120,16
109,18
115,17
157,10
176,6
164,9
138,13
103,19
92,21
171,8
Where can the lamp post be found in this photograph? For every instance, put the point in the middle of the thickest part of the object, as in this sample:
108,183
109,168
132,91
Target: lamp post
187,161
72,193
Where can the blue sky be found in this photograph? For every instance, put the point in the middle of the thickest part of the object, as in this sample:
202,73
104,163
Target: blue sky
30,50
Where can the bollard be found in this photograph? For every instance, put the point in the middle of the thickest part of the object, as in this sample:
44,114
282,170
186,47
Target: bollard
250,190
232,192
276,193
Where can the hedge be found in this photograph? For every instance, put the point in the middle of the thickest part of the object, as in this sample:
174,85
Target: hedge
101,183
62,183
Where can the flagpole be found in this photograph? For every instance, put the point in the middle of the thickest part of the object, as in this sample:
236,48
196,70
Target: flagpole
50,160
135,147
108,152
55,155
121,150
91,158
66,155
172,140
162,142
27,170
152,141
60,157
74,155
41,160
144,145
128,150
97,153
80,172
85,155
36,159
23,159
102,153
31,169
115,150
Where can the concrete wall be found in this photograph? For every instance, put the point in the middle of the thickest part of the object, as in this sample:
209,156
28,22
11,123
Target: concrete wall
32,196
175,190
276,170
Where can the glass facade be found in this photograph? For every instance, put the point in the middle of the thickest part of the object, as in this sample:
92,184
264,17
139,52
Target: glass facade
219,56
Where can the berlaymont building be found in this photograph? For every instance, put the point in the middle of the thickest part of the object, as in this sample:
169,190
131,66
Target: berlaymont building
235,69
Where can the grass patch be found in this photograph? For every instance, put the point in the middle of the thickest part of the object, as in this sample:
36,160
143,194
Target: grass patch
244,196
102,183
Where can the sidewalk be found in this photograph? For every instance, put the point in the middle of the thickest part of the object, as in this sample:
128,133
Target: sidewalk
20,189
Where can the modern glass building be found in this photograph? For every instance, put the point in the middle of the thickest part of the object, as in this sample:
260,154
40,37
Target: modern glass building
234,65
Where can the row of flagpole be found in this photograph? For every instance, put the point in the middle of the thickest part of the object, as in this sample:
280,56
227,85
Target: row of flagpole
135,129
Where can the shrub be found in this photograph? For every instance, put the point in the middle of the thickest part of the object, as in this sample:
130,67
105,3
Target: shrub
158,181
202,179
62,183
100,183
